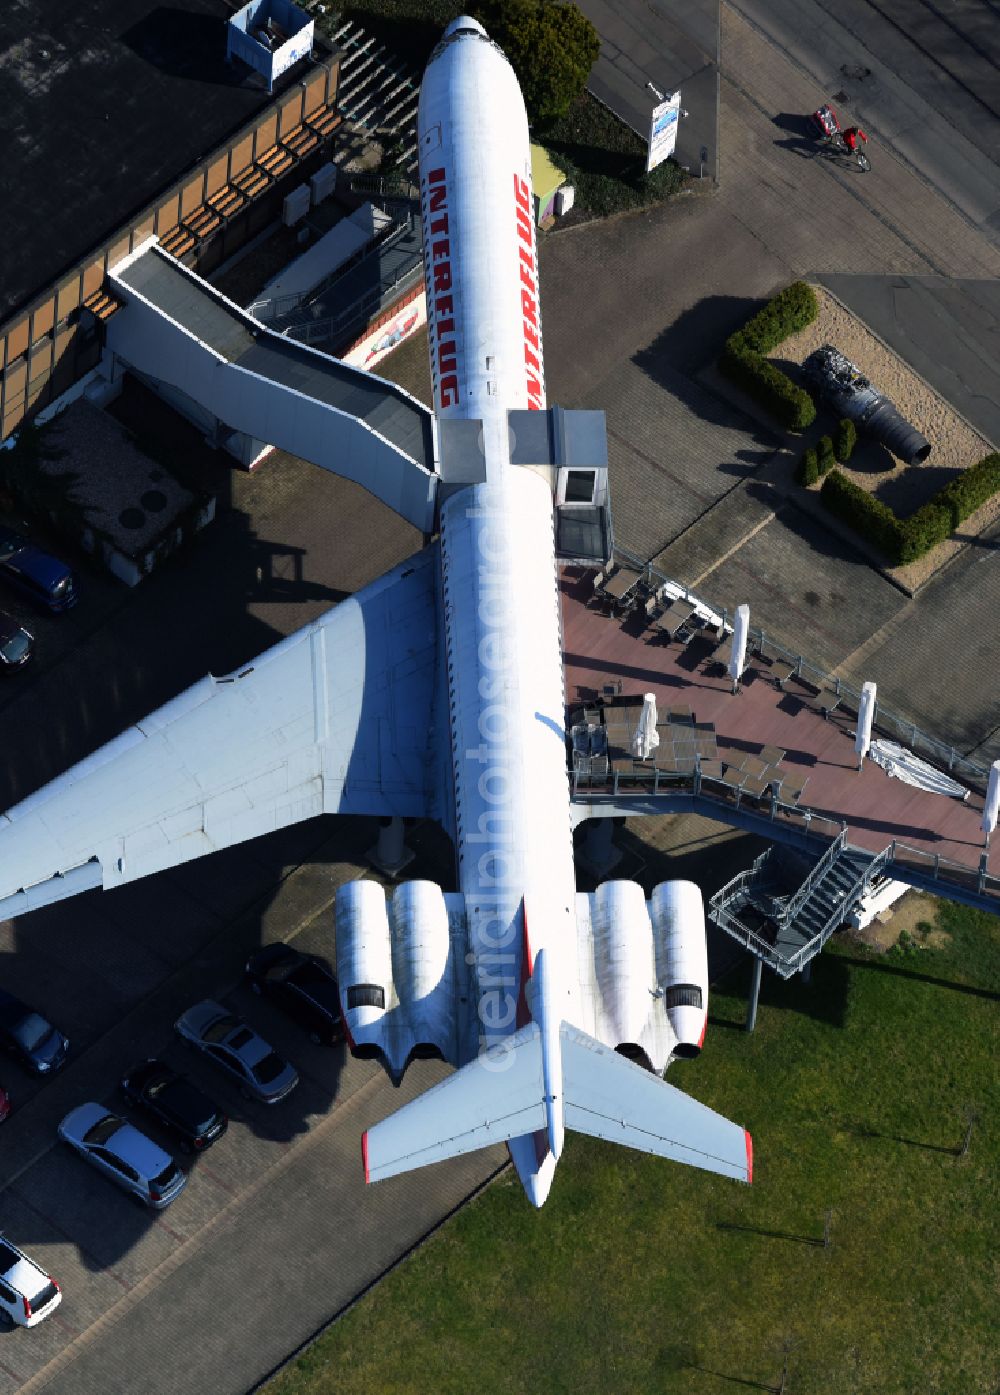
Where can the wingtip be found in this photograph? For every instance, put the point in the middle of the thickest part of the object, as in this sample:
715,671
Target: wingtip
364,1154
749,1142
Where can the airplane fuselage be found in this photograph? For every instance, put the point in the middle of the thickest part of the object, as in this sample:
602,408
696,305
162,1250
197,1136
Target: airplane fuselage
500,599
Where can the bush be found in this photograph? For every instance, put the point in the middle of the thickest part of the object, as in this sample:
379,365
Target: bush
863,512
845,440
551,47
970,490
808,471
743,358
906,539
923,530
824,455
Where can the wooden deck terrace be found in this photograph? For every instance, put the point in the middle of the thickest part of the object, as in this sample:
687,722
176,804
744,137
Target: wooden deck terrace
940,836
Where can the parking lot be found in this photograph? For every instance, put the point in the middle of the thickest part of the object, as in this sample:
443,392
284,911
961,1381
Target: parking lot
275,1230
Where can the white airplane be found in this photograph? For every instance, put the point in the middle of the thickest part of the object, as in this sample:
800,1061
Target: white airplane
438,692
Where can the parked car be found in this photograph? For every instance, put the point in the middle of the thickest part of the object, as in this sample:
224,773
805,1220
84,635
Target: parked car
16,644
121,1152
303,985
237,1048
27,1294
30,1038
180,1106
36,574
4,1104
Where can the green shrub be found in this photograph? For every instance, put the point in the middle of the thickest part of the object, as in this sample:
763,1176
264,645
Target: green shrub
923,530
868,515
906,539
824,455
845,440
968,492
784,314
743,358
551,47
776,392
808,471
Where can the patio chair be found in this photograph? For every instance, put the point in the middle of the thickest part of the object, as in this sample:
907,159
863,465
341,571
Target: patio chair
827,700
781,671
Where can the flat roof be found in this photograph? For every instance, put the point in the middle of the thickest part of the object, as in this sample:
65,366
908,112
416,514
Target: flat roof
105,106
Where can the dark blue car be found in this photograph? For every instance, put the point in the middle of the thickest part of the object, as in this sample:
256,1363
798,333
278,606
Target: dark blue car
37,575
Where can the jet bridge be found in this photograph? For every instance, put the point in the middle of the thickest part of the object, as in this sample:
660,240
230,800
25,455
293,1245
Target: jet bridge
179,331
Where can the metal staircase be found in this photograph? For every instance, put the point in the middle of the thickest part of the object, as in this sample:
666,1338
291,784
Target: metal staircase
786,928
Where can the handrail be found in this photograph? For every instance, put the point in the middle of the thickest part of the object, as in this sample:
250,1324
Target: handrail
816,874
942,870
886,721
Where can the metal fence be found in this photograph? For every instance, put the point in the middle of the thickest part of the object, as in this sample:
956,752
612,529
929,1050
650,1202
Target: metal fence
886,722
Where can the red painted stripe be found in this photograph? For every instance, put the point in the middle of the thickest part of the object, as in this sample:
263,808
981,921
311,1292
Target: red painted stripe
364,1153
527,966
704,1029
746,1134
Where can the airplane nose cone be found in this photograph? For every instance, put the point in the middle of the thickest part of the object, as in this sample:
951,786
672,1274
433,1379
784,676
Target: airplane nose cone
466,23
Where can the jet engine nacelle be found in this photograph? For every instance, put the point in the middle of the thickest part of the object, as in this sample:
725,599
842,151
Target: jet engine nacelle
397,974
623,958
678,915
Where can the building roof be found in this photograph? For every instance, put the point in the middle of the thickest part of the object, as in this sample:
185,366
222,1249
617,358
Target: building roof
105,106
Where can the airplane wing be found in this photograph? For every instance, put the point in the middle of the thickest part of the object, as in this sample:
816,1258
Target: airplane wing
341,717
497,1096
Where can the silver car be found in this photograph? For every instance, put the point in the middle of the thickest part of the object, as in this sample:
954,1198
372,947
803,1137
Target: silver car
122,1153
237,1048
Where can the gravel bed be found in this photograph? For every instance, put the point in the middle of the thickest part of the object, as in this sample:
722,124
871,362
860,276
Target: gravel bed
955,444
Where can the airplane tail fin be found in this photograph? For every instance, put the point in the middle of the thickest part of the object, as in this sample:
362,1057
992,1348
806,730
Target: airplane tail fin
496,1097
610,1097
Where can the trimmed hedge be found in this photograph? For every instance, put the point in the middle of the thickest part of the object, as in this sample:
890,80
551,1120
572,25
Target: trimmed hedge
846,440
808,471
907,539
744,357
824,455
962,496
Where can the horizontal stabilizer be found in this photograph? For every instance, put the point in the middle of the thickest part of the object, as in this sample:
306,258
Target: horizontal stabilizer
496,1097
609,1097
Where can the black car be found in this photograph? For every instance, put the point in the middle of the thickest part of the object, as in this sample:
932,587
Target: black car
36,574
29,1037
303,985
196,1120
16,644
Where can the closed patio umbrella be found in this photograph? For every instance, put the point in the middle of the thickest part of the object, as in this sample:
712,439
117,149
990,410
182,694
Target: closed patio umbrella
866,715
646,737
738,653
992,806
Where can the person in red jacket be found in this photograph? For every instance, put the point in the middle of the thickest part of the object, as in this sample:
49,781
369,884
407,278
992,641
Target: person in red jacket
852,135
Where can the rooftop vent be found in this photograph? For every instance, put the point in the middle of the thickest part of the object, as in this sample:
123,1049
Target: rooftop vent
269,36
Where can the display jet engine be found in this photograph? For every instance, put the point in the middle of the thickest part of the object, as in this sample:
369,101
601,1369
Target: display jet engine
438,692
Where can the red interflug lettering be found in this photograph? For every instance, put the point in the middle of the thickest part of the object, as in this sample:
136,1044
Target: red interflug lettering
437,244
529,293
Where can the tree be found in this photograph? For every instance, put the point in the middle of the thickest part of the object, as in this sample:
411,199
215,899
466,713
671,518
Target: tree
551,47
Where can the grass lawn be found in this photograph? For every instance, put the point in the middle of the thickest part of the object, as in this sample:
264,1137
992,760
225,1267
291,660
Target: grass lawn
642,1276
